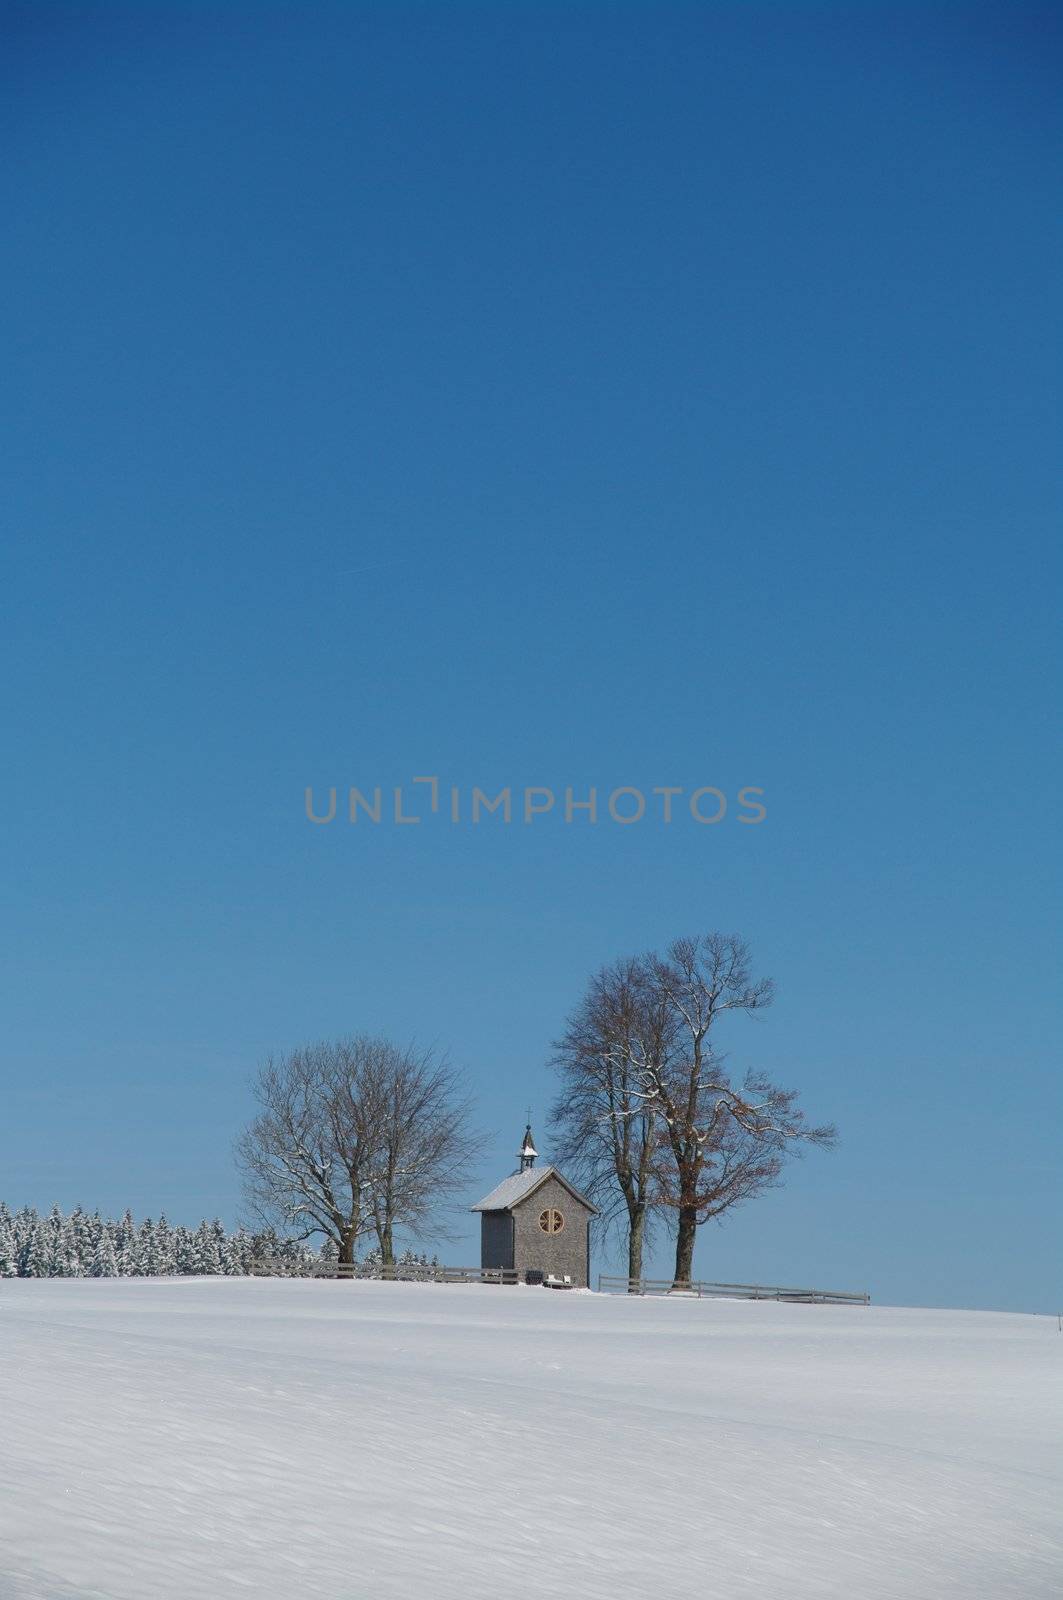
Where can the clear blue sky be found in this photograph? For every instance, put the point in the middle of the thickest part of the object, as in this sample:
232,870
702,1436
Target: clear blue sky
591,395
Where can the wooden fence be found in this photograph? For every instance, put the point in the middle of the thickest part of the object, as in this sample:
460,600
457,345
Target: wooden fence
410,1272
418,1272
732,1291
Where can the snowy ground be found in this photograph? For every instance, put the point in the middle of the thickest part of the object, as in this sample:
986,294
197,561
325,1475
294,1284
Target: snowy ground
196,1439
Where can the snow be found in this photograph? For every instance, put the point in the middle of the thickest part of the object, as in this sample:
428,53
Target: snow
198,1438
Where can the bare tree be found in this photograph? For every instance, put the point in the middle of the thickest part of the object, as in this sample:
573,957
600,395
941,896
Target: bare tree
604,1124
425,1144
354,1137
648,1112
306,1158
727,1143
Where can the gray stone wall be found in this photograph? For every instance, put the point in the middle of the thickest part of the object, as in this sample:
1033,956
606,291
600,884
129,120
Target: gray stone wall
560,1252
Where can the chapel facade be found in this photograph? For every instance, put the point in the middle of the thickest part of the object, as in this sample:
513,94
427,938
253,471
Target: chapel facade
537,1223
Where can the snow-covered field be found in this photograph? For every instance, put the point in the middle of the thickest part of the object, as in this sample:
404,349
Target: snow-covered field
196,1439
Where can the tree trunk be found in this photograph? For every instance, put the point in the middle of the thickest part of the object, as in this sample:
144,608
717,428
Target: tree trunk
636,1234
347,1240
387,1246
684,1244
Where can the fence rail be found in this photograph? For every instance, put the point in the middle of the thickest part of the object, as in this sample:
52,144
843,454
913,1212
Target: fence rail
732,1291
420,1272
408,1273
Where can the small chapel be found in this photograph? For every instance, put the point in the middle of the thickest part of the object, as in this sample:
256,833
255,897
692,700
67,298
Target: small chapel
537,1223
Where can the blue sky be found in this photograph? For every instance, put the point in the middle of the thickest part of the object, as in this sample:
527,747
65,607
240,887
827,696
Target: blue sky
592,395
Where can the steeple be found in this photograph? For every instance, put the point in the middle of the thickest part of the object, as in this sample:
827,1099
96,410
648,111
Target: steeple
528,1151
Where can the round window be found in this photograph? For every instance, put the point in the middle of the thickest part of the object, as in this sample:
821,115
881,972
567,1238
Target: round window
551,1220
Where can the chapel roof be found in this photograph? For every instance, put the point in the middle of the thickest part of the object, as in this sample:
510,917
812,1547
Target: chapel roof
519,1186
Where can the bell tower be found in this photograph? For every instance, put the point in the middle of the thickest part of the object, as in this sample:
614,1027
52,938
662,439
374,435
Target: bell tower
528,1151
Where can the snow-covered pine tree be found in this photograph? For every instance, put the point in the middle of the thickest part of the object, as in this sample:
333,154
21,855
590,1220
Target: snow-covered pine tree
52,1239
265,1249
8,1251
83,1242
21,1224
236,1254
125,1238
185,1253
208,1256
370,1264
68,1264
104,1263
59,1246
146,1251
34,1256
93,1234
164,1245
